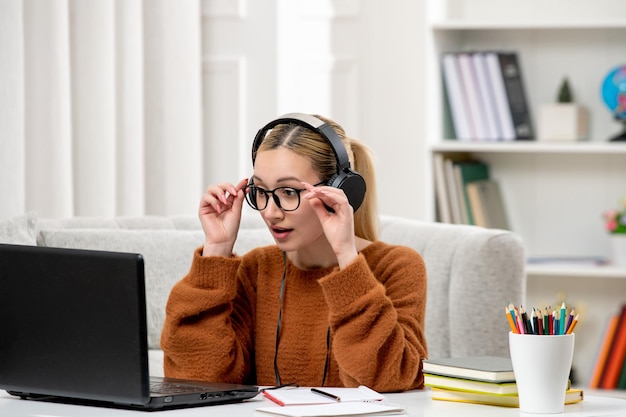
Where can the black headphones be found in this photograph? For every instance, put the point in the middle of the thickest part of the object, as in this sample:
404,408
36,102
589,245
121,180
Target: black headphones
351,182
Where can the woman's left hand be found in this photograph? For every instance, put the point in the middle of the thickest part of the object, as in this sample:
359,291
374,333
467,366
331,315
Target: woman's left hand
338,224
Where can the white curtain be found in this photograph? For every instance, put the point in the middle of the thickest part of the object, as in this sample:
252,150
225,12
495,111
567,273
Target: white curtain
100,107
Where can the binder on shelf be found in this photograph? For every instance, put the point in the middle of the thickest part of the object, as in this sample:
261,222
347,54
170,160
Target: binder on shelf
456,97
492,129
475,109
505,120
514,86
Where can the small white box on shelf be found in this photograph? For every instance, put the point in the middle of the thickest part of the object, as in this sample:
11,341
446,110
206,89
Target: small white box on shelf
562,122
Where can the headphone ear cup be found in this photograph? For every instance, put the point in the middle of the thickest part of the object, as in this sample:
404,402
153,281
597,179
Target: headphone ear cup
353,186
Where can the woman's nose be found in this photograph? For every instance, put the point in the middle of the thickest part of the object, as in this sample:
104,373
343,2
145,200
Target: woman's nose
273,209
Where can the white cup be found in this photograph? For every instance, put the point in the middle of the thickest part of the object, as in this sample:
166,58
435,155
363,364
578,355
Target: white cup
541,364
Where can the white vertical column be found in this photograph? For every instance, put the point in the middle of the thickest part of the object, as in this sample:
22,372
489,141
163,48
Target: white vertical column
129,115
48,130
93,105
12,104
173,128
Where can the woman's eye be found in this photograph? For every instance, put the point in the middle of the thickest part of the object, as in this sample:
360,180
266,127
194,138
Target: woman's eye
289,192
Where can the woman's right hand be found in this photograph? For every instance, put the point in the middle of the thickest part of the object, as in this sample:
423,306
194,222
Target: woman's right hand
220,215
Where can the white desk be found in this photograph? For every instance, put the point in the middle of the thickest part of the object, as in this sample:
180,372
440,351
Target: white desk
418,404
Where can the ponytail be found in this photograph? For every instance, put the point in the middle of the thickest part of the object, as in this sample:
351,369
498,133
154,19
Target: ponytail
366,217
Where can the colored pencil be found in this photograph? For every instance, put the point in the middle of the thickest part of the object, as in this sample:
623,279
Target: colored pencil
573,324
562,319
510,319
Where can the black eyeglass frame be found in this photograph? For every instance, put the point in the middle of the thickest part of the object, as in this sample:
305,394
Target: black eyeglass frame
276,199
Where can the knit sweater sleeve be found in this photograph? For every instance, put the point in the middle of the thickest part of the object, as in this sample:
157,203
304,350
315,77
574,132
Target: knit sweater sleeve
377,308
208,328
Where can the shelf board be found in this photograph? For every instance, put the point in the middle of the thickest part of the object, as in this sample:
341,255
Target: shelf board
445,25
600,148
576,270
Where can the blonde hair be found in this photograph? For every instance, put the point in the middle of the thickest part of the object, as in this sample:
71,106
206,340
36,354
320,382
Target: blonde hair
311,145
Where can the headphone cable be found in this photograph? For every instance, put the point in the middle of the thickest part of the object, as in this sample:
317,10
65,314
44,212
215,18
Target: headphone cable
279,326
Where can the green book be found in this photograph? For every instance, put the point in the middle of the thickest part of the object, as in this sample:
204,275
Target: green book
465,173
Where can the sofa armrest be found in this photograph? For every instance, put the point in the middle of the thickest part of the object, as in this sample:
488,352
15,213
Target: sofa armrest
473,273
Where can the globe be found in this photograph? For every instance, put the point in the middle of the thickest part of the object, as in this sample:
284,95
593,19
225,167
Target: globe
614,96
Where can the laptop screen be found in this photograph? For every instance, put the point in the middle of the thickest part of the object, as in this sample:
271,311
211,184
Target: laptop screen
73,324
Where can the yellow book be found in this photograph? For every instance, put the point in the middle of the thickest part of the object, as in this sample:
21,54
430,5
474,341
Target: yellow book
512,400
461,384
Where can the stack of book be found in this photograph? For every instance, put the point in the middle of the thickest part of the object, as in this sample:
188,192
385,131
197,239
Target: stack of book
480,380
466,194
609,369
486,97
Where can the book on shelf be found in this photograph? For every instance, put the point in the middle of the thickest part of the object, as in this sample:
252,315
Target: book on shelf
572,396
452,187
480,368
501,104
456,207
464,173
450,194
464,384
441,189
516,96
487,204
475,109
485,94
616,354
603,351
456,97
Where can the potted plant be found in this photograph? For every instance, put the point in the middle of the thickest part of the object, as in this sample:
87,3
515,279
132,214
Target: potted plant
615,224
564,120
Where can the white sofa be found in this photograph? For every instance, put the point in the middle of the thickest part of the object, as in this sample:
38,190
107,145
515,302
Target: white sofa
472,272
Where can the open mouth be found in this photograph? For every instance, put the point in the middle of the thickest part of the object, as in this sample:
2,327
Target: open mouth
280,232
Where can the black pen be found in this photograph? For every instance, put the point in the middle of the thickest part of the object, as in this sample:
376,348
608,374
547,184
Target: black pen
325,394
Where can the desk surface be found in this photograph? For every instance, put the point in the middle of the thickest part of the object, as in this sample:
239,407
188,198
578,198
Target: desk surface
418,403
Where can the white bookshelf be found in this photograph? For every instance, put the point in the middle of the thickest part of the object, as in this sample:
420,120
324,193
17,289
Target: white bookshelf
554,193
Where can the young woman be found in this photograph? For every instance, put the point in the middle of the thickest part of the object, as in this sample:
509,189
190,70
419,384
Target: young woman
327,305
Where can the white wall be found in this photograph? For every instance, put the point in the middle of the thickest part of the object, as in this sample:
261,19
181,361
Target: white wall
358,62
131,107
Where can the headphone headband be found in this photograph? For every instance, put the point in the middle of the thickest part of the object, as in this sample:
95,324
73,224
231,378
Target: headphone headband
312,123
351,182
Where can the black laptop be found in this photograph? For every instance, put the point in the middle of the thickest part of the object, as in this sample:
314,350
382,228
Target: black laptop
73,329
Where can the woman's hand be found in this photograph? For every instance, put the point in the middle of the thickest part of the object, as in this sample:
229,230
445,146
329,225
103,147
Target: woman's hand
338,225
220,215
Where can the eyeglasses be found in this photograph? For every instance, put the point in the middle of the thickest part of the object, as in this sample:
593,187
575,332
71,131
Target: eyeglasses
286,198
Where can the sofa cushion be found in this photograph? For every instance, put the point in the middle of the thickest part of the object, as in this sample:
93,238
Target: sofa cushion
167,256
19,230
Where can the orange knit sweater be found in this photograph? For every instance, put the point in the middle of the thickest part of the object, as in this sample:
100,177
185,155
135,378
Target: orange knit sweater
222,318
